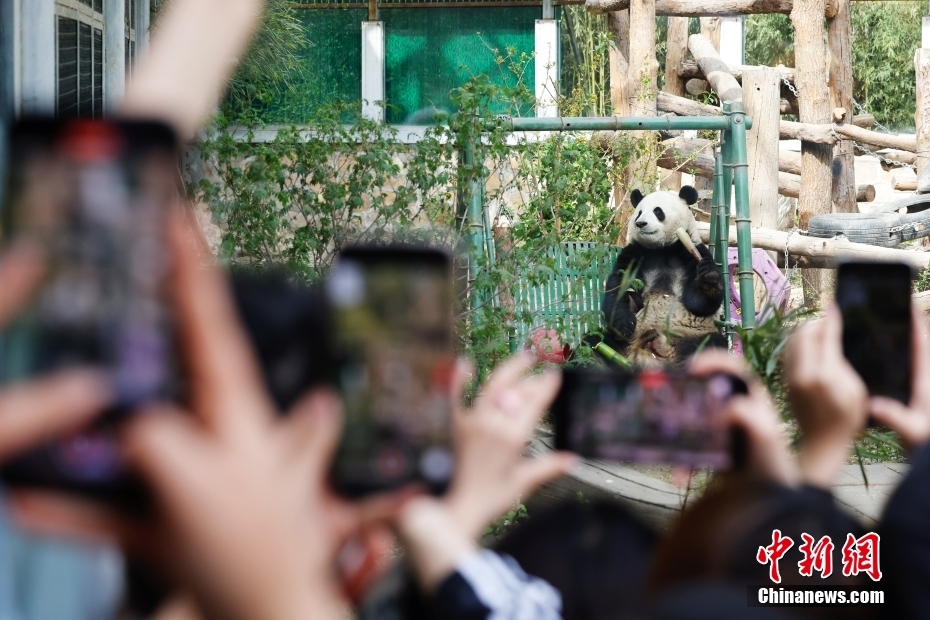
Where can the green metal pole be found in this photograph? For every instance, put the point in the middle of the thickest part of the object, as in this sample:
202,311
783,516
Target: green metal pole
474,223
740,166
722,234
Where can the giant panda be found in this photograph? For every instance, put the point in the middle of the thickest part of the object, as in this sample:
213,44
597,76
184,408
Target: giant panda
673,315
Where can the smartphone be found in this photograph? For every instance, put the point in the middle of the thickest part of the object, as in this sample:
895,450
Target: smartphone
875,300
287,323
94,196
649,417
392,313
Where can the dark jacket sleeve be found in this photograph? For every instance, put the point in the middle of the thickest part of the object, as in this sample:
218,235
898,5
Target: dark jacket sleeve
905,543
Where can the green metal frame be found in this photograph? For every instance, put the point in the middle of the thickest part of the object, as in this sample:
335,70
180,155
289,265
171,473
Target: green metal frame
730,172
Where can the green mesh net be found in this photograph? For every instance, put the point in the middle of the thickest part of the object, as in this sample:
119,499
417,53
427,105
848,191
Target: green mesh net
429,52
331,63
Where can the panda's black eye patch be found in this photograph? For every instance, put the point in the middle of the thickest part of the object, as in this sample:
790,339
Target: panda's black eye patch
659,213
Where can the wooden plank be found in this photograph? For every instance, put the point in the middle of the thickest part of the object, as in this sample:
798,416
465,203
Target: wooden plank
717,72
761,97
922,113
839,40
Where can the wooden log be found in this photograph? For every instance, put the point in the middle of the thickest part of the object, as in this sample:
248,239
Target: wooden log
719,76
760,98
676,50
863,120
690,69
705,8
789,161
899,158
789,184
922,111
682,106
825,253
875,138
785,107
808,132
694,156
696,87
904,183
865,192
710,28
814,105
839,40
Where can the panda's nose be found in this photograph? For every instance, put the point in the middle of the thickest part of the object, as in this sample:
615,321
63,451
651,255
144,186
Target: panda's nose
641,224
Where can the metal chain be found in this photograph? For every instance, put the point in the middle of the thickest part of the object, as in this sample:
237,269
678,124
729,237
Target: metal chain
884,160
862,110
791,87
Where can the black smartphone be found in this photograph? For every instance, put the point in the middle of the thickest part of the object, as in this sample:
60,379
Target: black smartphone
392,312
648,417
94,196
288,325
875,300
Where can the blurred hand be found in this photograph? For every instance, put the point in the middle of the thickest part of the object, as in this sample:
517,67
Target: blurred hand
911,421
828,397
491,473
244,519
35,411
768,452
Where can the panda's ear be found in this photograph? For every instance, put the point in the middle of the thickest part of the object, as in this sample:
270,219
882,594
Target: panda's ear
688,194
636,197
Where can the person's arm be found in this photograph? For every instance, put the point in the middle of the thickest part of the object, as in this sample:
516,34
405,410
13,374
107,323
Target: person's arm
193,52
829,398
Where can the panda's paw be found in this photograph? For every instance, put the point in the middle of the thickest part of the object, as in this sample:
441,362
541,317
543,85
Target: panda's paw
708,274
636,301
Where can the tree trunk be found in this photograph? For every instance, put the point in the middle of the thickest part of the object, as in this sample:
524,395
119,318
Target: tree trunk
922,113
618,23
814,106
761,99
643,73
839,37
676,53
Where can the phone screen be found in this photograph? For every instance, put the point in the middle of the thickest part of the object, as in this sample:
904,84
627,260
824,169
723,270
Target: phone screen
650,417
392,314
875,300
93,195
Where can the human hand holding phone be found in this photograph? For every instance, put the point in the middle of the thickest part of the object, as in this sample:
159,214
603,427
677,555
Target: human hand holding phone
911,421
766,449
827,395
243,518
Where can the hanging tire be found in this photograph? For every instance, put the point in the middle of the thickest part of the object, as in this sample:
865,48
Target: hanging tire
888,226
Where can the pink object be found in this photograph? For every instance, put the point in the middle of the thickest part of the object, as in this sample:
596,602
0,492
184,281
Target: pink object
546,345
777,288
